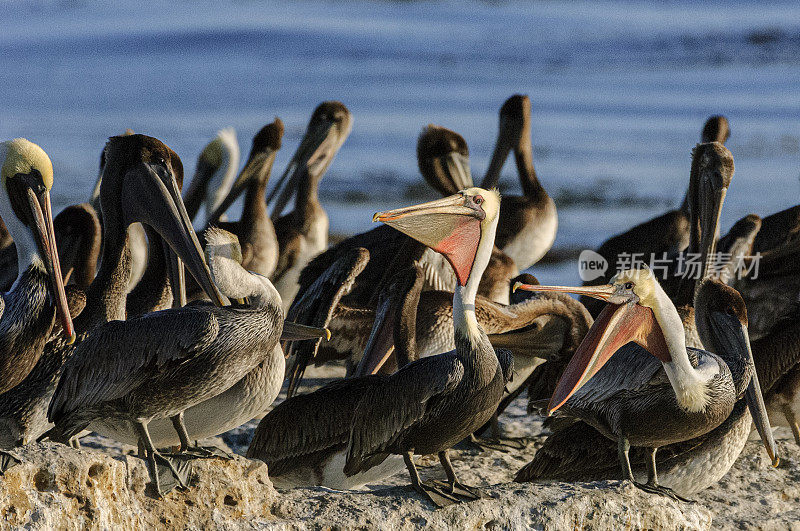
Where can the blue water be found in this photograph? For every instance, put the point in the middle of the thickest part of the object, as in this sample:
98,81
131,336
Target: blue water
619,92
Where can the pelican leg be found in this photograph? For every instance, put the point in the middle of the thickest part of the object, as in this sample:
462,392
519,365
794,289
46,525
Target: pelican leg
792,420
153,457
75,443
456,488
432,493
7,460
652,485
189,450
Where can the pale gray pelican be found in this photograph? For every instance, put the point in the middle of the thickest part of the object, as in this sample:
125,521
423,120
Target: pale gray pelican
672,395
430,404
216,171
303,232
528,223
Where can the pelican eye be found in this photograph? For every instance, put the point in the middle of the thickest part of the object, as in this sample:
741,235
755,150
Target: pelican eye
628,285
478,199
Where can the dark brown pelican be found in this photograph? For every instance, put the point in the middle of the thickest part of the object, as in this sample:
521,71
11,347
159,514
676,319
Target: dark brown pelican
428,405
443,158
528,223
303,232
216,170
667,234
254,229
672,396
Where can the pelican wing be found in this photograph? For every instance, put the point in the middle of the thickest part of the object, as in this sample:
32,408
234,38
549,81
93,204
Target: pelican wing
408,397
316,306
115,358
303,429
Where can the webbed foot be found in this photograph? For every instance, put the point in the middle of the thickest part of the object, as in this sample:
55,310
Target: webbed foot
662,490
435,495
7,460
460,490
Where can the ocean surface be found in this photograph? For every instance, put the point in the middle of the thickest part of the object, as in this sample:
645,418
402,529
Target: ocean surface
619,90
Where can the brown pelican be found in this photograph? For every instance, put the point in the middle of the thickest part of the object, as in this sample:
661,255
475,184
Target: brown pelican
578,454
37,297
29,311
528,223
158,365
428,405
215,173
672,396
254,229
303,232
443,158
666,234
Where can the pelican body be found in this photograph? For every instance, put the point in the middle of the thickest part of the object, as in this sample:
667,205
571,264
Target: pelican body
638,401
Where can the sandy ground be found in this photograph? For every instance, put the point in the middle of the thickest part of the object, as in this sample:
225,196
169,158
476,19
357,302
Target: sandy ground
753,495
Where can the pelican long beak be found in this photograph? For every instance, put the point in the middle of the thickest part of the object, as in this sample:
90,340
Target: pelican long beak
449,226
261,161
42,216
603,293
736,339
149,199
380,344
710,213
298,332
314,155
616,326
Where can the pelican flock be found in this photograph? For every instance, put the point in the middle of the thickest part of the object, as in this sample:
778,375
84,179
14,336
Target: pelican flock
117,319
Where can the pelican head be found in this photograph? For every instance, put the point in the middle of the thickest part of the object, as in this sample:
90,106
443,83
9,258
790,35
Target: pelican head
721,318
27,177
327,130
443,158
716,129
454,226
140,183
712,171
266,144
638,311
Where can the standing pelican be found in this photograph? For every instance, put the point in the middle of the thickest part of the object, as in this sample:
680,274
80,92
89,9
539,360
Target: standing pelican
37,298
528,223
30,310
215,173
667,234
303,232
430,404
675,394
254,229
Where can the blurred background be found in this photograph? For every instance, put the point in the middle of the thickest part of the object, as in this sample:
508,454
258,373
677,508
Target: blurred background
619,91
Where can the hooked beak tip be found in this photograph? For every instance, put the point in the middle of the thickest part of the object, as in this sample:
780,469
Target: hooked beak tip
327,334
516,286
71,338
776,461
376,217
